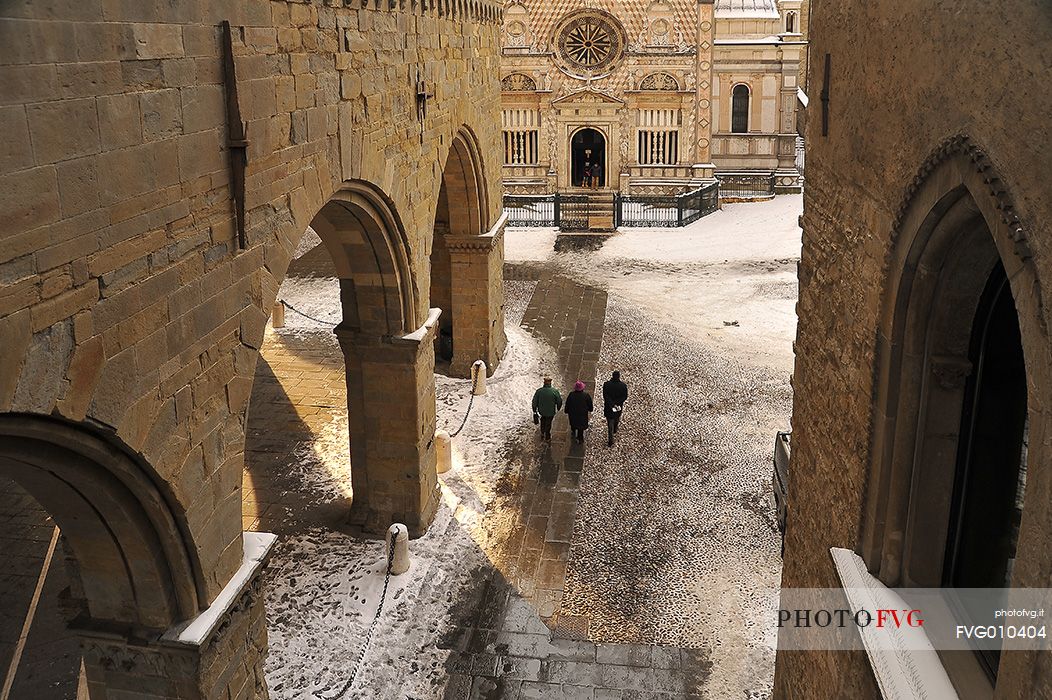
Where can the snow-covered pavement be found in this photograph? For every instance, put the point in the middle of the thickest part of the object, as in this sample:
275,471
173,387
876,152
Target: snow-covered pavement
673,540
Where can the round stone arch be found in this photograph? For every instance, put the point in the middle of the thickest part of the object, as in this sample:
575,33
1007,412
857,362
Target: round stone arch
957,222
135,559
462,189
386,334
365,238
465,274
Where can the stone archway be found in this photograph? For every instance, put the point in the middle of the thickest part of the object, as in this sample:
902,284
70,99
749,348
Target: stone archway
389,357
466,262
136,573
957,235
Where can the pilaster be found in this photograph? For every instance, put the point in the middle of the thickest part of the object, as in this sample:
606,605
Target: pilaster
703,167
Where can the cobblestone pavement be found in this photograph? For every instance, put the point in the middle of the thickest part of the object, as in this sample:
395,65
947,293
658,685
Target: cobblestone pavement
586,572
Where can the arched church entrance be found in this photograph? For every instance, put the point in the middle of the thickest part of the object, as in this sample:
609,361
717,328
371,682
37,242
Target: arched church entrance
588,149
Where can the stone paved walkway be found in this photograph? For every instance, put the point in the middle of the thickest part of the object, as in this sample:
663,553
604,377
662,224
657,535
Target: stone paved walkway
299,394
512,639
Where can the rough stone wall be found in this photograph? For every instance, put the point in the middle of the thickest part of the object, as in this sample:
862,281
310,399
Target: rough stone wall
124,301
916,74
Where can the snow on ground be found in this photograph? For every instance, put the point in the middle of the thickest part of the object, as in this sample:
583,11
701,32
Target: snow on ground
529,244
314,296
704,319
324,586
701,321
728,279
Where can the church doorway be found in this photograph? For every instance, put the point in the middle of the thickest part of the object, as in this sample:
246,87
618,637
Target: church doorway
588,155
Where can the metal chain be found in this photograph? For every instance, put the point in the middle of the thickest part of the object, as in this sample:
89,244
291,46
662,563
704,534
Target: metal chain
372,627
471,401
467,413
292,308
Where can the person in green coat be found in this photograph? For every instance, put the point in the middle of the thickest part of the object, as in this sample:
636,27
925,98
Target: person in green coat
546,403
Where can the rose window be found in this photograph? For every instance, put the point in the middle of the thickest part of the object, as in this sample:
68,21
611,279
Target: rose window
590,41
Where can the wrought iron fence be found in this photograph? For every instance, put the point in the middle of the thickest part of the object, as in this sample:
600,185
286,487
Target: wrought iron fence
572,212
668,210
531,210
746,186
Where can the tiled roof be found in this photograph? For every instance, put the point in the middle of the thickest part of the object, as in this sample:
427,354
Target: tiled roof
746,8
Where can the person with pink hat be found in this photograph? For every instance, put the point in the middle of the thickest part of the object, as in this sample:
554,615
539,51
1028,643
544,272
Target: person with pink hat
578,407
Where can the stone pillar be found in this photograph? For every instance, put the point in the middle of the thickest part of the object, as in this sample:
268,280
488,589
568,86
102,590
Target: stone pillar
478,299
703,169
391,415
218,654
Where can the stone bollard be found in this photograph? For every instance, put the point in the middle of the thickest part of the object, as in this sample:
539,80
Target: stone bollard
278,315
444,448
478,378
400,562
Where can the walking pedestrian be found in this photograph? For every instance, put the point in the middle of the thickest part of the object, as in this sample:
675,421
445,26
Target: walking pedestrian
546,403
578,407
597,174
615,393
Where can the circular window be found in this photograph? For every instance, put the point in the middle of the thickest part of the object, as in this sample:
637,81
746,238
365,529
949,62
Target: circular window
590,41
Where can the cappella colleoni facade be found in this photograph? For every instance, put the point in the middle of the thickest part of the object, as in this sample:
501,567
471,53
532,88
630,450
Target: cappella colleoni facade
650,97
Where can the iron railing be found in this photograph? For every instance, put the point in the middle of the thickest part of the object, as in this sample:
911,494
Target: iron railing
744,186
573,212
668,210
532,210
576,210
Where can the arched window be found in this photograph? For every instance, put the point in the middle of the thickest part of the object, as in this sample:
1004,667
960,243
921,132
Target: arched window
790,22
740,109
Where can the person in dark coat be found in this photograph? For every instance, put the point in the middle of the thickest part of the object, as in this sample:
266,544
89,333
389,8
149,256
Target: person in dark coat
578,407
546,403
615,393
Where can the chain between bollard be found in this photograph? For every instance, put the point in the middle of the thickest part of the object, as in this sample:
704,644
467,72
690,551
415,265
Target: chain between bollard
294,310
372,627
471,402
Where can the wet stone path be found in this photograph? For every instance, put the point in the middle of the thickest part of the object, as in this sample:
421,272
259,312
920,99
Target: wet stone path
511,638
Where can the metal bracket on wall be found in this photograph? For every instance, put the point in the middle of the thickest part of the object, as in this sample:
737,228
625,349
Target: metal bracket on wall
422,96
237,138
825,98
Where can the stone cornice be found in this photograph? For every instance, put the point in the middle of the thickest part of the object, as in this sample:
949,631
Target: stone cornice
484,242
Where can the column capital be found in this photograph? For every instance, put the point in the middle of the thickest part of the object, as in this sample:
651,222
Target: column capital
483,242
353,338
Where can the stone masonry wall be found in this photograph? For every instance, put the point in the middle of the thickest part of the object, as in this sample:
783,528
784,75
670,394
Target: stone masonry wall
124,300
904,77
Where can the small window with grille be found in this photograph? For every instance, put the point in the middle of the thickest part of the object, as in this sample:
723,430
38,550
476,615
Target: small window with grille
657,136
521,138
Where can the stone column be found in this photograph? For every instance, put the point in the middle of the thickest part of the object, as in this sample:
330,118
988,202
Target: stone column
703,168
218,654
391,415
478,299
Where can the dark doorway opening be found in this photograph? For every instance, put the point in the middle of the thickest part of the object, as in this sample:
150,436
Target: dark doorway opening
588,155
992,452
